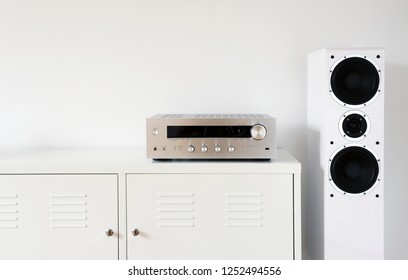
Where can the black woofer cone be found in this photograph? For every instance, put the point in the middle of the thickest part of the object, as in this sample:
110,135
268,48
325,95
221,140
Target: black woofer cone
355,81
354,170
354,125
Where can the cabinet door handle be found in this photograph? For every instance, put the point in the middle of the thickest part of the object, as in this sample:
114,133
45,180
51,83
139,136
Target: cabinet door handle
109,232
135,232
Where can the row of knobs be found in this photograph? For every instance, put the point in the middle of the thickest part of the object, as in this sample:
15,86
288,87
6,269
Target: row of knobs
204,149
258,132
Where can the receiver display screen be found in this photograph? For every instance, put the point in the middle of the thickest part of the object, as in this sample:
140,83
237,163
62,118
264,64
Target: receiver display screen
207,131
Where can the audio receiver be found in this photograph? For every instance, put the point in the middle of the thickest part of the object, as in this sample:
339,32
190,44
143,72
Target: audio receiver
211,136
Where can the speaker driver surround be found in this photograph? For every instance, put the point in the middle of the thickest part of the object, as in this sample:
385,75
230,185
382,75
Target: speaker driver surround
354,169
354,81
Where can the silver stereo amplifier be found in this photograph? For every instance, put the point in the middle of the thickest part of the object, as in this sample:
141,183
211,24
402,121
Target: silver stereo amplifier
211,136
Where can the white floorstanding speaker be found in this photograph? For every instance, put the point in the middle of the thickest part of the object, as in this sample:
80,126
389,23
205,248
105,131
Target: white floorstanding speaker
345,160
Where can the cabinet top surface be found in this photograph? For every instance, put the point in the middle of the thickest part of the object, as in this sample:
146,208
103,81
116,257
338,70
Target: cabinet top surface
131,161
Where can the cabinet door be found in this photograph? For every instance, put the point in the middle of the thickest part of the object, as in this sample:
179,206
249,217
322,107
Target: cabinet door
210,216
58,217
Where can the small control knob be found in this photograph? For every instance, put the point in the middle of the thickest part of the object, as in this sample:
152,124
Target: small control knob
190,148
217,149
258,132
231,149
204,149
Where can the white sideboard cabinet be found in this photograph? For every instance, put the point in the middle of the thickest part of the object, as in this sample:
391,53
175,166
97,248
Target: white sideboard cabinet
210,216
116,204
47,216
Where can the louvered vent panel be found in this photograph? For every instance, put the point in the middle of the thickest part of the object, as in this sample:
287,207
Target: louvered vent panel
8,211
244,209
68,210
175,210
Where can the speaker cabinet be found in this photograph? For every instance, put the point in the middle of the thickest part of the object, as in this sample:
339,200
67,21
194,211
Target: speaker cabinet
345,170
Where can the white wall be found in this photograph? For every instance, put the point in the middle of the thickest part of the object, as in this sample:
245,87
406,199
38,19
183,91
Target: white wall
86,73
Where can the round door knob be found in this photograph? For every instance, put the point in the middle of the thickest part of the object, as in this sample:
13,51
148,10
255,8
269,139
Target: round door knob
109,232
258,132
135,232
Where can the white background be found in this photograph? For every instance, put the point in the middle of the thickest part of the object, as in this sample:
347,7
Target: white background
87,73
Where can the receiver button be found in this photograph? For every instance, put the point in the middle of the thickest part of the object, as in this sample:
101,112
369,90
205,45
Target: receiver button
204,149
258,132
190,149
217,149
231,149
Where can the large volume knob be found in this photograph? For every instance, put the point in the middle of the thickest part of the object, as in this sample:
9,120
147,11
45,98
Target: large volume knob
258,132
